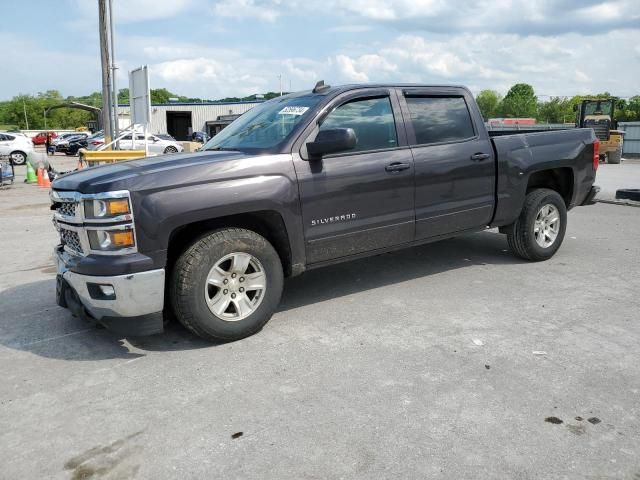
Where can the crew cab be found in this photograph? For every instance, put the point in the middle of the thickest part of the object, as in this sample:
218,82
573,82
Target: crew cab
299,182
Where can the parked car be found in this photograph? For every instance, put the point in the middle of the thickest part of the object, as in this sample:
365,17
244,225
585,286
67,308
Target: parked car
63,144
165,136
75,144
16,146
200,137
66,136
299,182
41,138
156,144
95,141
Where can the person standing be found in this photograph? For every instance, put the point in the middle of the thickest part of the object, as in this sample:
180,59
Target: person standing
48,142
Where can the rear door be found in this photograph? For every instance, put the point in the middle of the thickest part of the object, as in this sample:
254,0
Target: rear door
362,199
454,161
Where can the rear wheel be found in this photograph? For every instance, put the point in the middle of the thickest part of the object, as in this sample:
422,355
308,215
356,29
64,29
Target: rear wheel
539,230
18,158
615,157
170,149
227,285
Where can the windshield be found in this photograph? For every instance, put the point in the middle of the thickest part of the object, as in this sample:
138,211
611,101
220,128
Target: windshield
264,126
598,108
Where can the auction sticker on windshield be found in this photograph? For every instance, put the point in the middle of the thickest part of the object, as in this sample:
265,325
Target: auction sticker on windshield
293,110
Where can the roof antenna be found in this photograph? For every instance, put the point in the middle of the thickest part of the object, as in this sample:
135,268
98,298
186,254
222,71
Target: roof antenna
320,87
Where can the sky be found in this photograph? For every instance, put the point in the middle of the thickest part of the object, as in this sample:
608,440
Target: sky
218,48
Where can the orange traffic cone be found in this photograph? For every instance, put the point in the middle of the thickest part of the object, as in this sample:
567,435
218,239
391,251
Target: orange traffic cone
40,177
46,181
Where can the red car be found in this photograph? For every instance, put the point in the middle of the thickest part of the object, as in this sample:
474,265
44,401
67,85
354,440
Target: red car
41,138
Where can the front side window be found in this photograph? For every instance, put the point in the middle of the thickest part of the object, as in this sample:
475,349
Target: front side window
370,118
440,119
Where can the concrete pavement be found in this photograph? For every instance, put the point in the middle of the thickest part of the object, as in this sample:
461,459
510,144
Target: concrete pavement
414,364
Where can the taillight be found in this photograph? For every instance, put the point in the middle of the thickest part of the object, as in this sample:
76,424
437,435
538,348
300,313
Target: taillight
596,154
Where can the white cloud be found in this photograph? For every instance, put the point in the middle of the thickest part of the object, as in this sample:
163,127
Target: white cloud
350,29
131,11
245,8
482,44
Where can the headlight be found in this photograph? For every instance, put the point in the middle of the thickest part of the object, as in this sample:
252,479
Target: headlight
111,240
106,208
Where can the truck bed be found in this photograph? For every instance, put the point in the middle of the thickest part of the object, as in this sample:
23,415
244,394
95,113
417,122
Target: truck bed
520,154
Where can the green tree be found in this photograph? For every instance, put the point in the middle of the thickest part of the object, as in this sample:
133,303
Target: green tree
556,110
520,101
488,102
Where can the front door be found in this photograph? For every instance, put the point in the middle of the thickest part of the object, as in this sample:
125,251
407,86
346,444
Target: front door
454,162
362,199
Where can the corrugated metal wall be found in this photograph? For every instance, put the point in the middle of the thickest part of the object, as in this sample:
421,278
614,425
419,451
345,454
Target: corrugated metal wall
631,143
201,113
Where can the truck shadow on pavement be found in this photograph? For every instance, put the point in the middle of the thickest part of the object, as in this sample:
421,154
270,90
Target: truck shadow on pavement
32,322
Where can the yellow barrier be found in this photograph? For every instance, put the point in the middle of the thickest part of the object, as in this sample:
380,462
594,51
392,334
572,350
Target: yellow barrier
96,157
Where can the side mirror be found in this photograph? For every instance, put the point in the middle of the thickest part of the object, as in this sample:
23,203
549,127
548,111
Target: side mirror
332,141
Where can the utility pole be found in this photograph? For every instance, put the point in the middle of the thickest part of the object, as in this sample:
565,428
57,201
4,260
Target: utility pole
116,127
106,74
280,80
24,108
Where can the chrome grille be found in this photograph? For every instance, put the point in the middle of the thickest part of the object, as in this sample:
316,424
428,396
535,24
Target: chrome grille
68,209
71,240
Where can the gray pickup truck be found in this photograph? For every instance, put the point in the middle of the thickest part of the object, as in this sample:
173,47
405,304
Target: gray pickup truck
299,182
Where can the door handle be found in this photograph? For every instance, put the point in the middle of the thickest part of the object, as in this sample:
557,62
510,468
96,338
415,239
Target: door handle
397,167
478,157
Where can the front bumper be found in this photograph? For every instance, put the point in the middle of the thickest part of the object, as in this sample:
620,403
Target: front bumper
129,304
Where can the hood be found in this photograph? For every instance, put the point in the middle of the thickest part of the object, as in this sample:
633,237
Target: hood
143,173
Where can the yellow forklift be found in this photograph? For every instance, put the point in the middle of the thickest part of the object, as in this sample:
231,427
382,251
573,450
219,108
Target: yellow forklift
597,113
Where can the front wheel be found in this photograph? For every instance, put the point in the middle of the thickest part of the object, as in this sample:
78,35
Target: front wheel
170,149
539,230
227,285
18,158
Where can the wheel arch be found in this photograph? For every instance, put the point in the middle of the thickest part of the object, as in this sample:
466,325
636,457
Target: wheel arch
559,179
267,223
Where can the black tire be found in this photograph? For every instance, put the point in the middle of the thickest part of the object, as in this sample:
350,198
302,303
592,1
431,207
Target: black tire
170,149
189,279
628,194
18,158
614,157
521,235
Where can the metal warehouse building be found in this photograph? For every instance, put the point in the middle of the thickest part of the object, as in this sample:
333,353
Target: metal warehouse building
181,119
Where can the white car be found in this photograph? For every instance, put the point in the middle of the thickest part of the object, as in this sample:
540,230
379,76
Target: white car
16,146
156,144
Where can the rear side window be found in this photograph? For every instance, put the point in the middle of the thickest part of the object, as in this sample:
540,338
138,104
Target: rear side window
9,137
440,119
371,119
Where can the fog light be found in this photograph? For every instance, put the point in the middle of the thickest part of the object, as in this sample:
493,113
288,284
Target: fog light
100,291
107,290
